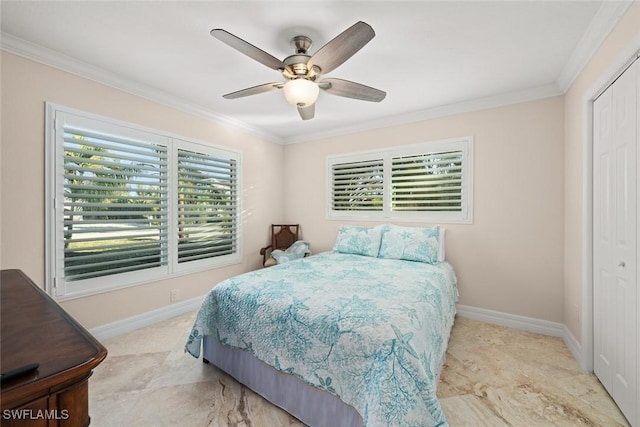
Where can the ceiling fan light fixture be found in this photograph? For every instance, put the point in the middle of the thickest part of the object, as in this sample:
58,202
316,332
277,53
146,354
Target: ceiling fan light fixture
301,92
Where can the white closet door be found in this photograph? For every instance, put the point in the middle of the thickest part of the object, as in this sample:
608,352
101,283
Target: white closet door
624,143
603,338
615,239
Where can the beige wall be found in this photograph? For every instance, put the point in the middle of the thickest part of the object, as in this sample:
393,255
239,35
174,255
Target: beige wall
510,259
26,85
619,45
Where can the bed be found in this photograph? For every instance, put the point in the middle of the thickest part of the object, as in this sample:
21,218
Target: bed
355,336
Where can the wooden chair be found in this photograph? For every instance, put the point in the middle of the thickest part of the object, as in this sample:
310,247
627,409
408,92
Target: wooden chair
282,236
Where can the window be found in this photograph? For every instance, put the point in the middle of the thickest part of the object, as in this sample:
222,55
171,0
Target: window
358,186
131,205
428,182
206,206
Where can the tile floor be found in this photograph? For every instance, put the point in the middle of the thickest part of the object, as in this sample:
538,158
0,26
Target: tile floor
494,376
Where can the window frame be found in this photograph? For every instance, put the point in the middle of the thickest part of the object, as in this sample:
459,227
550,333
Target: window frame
55,285
464,216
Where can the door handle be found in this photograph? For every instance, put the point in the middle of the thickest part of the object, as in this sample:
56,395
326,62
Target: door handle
622,264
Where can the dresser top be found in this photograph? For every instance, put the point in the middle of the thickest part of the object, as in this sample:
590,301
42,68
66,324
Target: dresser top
35,329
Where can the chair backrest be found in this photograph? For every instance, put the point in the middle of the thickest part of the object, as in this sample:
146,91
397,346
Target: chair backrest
284,235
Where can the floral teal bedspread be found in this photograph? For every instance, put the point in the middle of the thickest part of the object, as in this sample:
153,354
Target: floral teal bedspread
371,331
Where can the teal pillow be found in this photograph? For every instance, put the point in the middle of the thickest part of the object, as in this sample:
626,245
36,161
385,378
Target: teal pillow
358,240
411,244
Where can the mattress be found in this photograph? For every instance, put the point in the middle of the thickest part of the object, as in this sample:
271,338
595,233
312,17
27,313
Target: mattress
370,332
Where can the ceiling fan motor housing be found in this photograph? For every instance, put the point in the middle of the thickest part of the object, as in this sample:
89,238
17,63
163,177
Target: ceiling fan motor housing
297,65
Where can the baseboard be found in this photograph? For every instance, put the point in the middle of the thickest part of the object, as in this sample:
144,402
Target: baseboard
574,347
130,324
529,324
515,321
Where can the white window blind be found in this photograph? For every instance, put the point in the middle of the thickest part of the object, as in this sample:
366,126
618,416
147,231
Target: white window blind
427,182
115,205
129,205
207,208
357,186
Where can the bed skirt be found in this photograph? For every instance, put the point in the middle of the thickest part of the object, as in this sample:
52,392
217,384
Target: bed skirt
312,406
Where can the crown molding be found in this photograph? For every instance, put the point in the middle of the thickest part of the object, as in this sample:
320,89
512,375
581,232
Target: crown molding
484,103
52,58
604,21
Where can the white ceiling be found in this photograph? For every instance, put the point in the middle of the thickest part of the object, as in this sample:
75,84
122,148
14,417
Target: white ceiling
430,57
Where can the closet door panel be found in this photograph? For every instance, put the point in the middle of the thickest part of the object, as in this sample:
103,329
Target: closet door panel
603,240
624,143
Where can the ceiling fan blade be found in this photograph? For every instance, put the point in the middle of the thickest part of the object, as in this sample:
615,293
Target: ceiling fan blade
342,47
353,90
248,49
307,112
267,87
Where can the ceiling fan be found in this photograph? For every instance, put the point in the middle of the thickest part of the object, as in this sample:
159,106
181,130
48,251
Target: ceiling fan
302,71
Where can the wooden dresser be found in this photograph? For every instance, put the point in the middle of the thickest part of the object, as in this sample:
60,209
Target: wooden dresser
35,329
